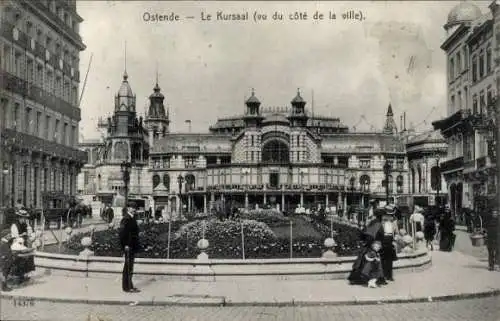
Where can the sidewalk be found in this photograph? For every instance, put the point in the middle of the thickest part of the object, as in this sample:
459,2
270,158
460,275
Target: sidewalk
451,276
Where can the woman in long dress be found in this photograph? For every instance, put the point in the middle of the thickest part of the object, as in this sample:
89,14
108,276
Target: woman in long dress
21,231
367,269
429,228
446,228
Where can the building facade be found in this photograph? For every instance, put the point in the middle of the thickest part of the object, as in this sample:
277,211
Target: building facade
39,100
469,169
275,156
425,152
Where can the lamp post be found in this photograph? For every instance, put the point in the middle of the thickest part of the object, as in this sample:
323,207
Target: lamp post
387,171
180,180
125,168
5,172
438,180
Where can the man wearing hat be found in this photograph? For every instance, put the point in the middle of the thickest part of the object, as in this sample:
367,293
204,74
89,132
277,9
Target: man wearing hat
129,240
386,237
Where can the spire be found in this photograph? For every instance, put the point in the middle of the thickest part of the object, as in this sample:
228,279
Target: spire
389,110
390,126
125,75
157,74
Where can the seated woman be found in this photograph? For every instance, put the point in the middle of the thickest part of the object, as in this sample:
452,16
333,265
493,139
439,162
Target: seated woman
23,259
367,269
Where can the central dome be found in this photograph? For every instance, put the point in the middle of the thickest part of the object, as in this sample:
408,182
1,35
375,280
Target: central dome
463,13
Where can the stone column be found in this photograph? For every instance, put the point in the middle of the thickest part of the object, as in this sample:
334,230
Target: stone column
301,199
265,199
246,200
362,201
326,200
345,202
190,203
339,199
205,204
282,201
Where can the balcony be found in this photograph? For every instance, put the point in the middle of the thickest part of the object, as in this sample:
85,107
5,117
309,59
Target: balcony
55,21
19,86
15,139
452,164
268,188
29,44
484,162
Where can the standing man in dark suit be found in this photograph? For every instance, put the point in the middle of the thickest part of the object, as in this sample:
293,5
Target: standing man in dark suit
492,240
129,239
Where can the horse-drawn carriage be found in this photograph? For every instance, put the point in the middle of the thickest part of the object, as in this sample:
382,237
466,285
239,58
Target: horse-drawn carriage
59,208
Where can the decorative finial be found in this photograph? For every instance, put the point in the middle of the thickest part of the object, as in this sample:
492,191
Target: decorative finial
298,91
253,91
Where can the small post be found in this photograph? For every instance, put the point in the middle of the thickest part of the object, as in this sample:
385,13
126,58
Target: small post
187,240
242,241
61,233
168,240
331,227
291,240
43,230
413,227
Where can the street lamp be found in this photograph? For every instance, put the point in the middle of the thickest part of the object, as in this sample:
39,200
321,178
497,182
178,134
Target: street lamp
5,172
125,168
438,180
180,180
387,171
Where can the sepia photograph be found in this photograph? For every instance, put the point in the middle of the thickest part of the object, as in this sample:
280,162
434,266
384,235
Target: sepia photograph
249,160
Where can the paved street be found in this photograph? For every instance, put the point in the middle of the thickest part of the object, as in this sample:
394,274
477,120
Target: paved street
467,310
464,245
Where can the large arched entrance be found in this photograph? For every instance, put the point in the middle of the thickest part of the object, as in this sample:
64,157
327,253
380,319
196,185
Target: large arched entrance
275,151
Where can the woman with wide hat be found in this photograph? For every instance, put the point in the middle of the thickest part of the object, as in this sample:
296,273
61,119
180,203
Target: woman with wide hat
21,232
386,236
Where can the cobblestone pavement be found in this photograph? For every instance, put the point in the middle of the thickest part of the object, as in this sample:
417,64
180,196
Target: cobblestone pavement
485,309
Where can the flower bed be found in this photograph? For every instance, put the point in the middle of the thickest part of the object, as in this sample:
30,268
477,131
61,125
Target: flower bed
269,216
225,240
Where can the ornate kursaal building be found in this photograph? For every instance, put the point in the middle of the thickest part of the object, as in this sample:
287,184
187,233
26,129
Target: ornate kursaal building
469,170
278,156
39,102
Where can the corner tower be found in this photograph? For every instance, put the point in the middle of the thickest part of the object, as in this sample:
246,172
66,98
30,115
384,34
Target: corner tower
390,126
157,120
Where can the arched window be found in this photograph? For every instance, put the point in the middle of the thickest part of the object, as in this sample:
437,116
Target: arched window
390,183
399,183
412,180
419,169
275,151
156,180
166,181
190,182
364,181
435,178
352,183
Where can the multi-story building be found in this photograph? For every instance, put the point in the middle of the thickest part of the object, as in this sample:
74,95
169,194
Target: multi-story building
470,167
39,106
280,156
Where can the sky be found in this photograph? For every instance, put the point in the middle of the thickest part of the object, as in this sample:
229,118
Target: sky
353,68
